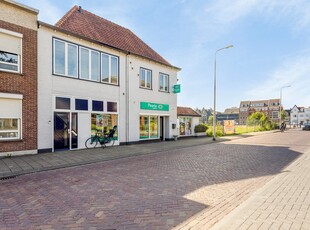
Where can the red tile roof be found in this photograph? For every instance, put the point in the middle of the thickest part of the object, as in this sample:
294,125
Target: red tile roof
186,111
89,25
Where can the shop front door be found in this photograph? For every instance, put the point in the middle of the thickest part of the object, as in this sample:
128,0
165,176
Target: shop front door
64,134
61,130
161,128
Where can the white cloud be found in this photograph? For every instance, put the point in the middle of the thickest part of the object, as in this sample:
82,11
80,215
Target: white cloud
295,72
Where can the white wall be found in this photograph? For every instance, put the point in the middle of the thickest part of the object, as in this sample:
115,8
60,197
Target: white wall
50,85
137,95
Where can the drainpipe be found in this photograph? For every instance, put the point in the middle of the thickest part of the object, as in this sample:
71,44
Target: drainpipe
127,97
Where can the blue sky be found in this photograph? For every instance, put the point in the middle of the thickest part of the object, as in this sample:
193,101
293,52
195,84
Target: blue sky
271,41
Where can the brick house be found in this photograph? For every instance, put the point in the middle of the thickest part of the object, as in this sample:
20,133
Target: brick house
18,78
271,108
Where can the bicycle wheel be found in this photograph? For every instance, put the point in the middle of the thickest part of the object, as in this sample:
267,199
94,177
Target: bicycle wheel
91,142
112,141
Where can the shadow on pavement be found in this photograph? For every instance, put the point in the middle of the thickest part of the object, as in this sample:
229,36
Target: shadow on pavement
143,192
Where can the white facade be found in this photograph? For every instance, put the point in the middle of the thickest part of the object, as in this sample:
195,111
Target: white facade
300,115
127,94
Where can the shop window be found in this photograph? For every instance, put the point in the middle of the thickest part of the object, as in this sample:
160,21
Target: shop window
148,127
109,69
112,107
185,126
145,78
153,127
10,51
65,58
81,104
163,82
63,103
103,123
98,106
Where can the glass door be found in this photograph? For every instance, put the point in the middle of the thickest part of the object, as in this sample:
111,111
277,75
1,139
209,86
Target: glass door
74,131
61,130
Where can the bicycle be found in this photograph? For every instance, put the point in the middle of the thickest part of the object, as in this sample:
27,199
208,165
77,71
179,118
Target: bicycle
106,138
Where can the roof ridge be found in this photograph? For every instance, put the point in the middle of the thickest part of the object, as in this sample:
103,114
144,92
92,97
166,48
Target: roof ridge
90,25
62,20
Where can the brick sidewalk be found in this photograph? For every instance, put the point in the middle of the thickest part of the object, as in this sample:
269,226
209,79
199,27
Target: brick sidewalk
19,165
152,191
283,203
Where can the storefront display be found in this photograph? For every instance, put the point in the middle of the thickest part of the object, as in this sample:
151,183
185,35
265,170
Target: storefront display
102,123
185,126
148,127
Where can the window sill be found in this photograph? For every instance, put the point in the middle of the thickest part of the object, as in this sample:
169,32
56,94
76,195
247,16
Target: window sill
145,88
17,140
76,78
9,72
163,91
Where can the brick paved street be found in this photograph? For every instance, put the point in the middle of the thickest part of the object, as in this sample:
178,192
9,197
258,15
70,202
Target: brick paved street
185,188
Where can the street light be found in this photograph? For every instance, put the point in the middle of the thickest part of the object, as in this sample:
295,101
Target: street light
287,86
214,111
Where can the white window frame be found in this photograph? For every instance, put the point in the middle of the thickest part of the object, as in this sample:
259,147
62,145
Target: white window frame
19,56
145,82
11,64
110,68
149,124
164,76
89,64
66,58
13,131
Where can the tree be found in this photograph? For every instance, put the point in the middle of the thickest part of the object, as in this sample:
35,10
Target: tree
283,115
210,120
257,118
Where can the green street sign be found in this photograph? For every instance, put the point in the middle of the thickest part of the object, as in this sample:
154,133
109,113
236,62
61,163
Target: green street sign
154,106
177,88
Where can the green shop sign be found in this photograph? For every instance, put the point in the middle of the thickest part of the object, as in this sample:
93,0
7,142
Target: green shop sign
176,88
154,106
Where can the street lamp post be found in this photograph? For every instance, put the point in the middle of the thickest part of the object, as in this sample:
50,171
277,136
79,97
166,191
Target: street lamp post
214,111
287,86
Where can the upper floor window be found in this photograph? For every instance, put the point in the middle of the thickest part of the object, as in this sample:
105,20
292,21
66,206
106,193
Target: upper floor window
10,51
109,69
163,82
65,58
89,64
67,62
145,78
9,61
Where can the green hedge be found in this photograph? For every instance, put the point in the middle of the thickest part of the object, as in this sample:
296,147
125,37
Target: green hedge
201,128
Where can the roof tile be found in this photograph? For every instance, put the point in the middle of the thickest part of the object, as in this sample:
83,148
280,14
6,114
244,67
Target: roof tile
186,111
94,27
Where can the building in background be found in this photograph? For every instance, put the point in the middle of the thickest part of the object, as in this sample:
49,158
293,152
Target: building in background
187,120
271,108
18,79
205,114
299,115
229,114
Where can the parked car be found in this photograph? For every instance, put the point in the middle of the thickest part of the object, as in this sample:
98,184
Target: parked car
306,127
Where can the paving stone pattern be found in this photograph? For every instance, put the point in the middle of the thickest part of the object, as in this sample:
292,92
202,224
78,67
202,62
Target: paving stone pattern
183,188
283,203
